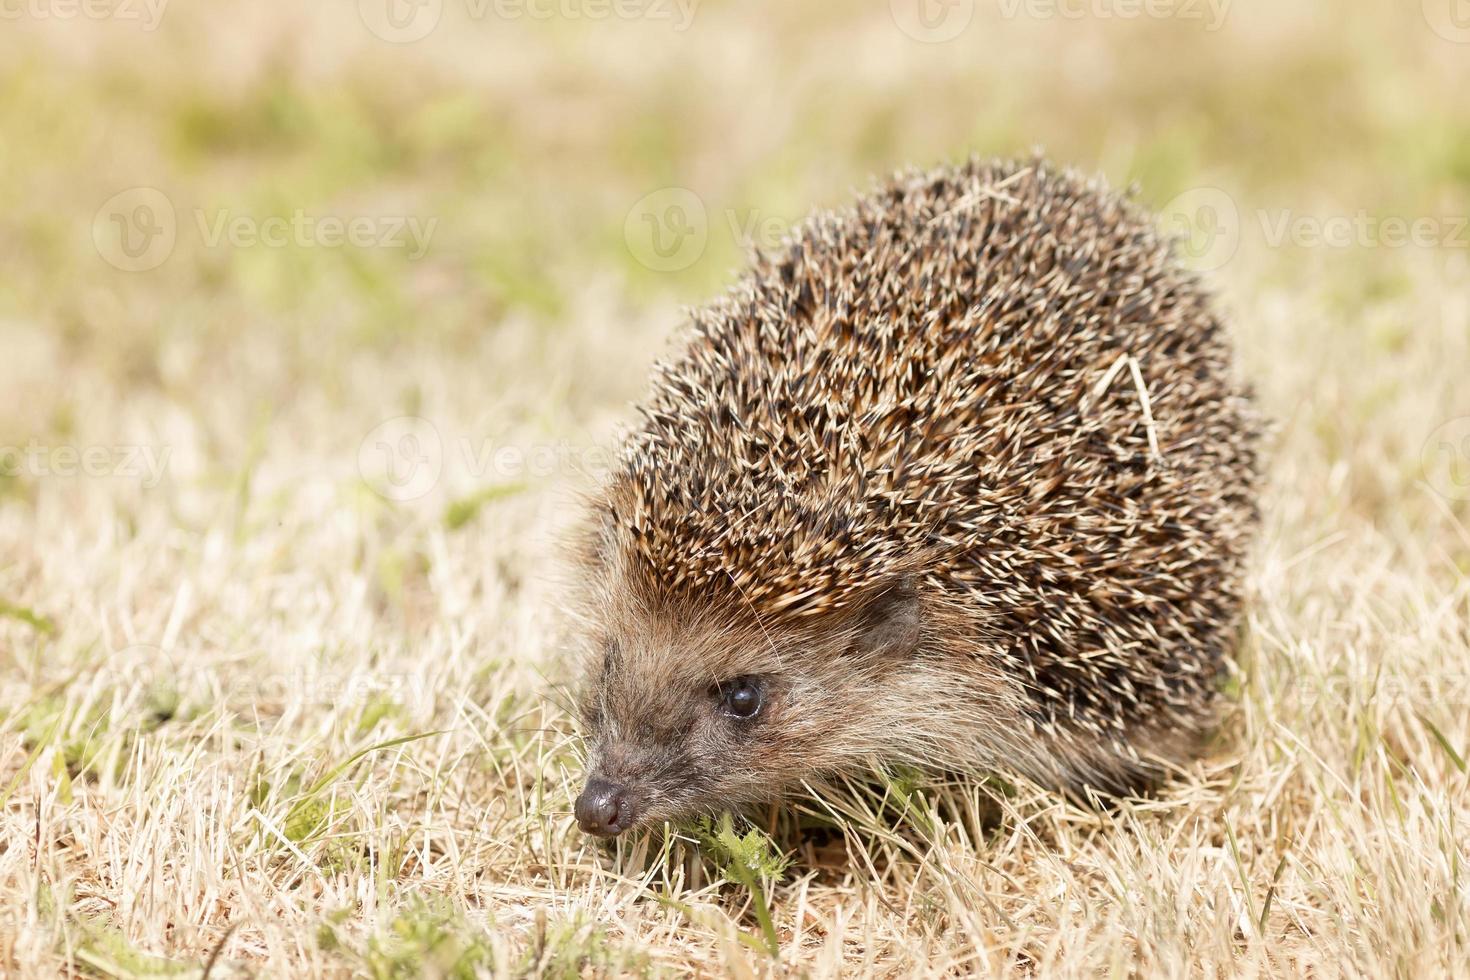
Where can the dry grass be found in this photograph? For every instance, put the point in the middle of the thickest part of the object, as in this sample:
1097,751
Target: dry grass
254,712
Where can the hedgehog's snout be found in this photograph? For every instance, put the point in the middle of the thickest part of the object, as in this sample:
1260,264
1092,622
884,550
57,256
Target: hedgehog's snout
603,808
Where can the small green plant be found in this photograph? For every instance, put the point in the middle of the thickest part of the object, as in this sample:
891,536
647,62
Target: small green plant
572,948
33,619
379,705
752,860
105,951
310,813
464,510
426,938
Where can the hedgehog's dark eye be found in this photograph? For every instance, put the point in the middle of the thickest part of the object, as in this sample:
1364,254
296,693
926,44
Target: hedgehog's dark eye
741,698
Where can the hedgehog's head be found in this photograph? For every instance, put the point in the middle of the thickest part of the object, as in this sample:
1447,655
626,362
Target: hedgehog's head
700,710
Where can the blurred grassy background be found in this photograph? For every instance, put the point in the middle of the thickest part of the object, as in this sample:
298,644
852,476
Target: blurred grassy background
546,160
531,139
528,140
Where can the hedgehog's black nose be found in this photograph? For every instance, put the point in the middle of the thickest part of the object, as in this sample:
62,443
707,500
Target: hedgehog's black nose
603,809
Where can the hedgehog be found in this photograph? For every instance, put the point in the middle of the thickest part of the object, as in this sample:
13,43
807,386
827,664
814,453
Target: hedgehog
959,478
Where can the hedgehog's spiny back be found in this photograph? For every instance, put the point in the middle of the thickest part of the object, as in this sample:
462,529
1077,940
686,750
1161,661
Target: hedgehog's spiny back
952,375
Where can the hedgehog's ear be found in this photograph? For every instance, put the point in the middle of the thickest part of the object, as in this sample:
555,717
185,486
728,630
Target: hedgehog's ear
889,624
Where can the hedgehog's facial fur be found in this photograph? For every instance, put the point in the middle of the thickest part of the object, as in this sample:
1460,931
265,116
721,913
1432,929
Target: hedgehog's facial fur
685,714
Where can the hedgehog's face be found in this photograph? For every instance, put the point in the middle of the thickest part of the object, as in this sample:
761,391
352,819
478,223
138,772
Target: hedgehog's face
683,719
